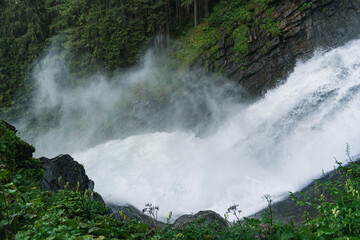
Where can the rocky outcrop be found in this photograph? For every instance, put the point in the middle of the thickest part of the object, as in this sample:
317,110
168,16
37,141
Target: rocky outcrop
63,171
305,26
130,212
59,172
200,217
133,213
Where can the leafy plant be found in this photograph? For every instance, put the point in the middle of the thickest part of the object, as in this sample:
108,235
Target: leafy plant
337,204
153,213
236,18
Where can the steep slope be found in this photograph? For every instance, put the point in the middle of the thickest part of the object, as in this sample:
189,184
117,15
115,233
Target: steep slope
305,26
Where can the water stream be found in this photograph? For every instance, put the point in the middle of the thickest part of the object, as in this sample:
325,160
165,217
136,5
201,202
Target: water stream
184,162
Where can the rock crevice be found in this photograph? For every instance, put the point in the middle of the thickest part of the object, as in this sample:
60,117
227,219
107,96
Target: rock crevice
304,28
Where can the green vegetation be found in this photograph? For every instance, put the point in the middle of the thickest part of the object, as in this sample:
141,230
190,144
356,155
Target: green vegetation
196,42
27,212
106,35
23,33
237,18
96,35
337,205
306,5
110,34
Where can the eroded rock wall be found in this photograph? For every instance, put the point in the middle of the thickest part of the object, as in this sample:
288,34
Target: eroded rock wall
304,28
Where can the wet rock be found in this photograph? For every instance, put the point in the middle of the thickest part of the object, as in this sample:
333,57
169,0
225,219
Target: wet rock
324,24
132,213
63,171
200,217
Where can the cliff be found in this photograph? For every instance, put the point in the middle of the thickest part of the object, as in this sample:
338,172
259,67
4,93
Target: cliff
305,26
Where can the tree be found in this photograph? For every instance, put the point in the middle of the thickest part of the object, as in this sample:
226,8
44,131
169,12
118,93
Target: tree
23,33
206,8
196,13
168,22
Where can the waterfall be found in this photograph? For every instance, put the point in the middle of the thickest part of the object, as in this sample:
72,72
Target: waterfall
199,146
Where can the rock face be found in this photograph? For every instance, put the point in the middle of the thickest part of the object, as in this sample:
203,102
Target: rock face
61,170
64,170
200,217
304,28
133,213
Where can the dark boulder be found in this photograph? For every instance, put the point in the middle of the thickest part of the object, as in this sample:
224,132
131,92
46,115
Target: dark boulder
63,171
200,217
132,213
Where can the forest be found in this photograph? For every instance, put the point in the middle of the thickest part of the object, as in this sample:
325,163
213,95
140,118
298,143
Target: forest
106,35
110,36
101,34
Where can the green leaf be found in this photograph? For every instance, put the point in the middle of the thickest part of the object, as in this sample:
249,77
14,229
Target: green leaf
4,222
326,231
141,227
99,231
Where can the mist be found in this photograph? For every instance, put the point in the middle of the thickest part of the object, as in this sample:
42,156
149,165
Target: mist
69,114
187,141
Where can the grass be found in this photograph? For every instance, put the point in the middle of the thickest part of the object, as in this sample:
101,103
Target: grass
235,18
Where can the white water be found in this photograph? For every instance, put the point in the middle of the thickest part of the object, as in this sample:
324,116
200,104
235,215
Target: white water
272,146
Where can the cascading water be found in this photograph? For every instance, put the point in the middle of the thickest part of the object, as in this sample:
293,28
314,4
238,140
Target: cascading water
246,150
